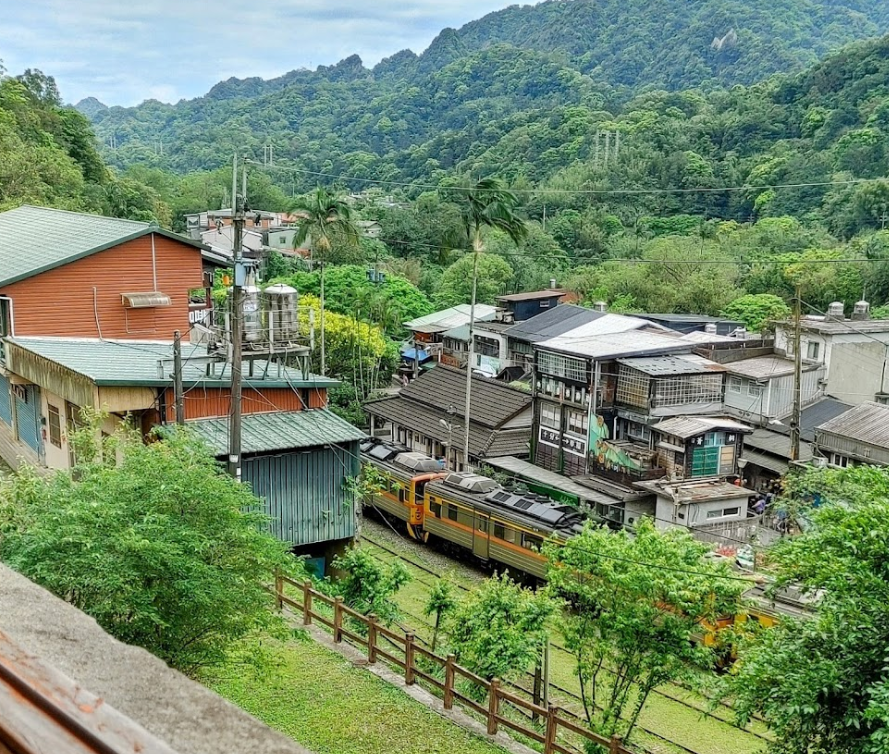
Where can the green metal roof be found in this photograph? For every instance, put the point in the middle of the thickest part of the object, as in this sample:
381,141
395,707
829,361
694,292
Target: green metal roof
135,363
261,433
37,239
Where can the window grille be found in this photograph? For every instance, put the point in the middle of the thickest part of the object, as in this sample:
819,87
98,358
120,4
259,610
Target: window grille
558,365
549,415
690,388
632,387
735,384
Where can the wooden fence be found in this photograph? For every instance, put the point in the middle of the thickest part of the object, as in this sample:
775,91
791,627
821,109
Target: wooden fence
401,650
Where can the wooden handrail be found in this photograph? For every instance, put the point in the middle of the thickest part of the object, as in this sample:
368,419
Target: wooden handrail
407,642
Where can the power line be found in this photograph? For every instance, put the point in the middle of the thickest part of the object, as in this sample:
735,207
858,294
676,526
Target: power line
576,192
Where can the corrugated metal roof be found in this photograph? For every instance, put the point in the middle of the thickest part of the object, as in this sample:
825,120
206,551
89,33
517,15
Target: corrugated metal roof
812,416
37,239
777,444
765,461
534,295
282,430
135,362
492,402
452,317
687,318
662,366
528,470
457,333
551,323
867,422
611,345
687,426
426,420
766,367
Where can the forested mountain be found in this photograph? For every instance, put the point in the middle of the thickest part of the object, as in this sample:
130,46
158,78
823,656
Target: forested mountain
413,116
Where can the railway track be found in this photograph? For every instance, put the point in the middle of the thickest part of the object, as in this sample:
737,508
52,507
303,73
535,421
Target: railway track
559,648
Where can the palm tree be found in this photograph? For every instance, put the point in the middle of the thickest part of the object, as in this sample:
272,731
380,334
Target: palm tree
327,220
487,203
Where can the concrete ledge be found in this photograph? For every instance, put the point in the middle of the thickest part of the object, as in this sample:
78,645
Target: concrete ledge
186,716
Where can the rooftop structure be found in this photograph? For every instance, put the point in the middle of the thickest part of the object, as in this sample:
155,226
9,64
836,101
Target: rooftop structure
446,319
685,427
533,295
678,364
766,367
551,323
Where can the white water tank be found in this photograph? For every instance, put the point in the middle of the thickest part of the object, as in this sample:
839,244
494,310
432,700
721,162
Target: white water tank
861,311
836,311
281,315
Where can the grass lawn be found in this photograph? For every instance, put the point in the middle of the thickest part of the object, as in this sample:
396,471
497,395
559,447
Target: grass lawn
321,700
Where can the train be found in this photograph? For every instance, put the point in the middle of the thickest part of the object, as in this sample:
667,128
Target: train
476,515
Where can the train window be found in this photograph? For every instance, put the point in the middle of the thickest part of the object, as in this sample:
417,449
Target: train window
435,508
402,495
482,525
499,532
452,512
530,542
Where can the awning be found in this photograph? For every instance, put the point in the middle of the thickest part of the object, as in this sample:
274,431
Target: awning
411,354
765,461
145,300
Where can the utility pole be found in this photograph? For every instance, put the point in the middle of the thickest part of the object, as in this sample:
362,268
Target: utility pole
178,394
323,352
471,352
237,320
797,381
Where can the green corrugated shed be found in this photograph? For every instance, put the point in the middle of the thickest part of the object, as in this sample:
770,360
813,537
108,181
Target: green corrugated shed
300,464
284,430
36,239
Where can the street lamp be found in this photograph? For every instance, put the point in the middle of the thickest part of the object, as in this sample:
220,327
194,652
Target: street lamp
450,428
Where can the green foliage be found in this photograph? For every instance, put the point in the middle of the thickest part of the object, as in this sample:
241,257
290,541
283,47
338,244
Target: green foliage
455,287
441,603
163,549
637,603
821,683
757,310
327,224
368,585
500,629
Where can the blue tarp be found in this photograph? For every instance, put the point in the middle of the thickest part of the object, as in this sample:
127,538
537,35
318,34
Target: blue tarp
410,354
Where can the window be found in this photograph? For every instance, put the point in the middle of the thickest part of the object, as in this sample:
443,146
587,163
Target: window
837,459
632,387
452,512
754,390
402,495
482,525
686,389
734,384
814,350
723,513
562,366
578,422
530,542
55,426
499,532
435,508
549,415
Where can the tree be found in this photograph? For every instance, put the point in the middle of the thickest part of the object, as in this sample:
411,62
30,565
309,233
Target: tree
637,603
757,310
500,629
455,286
327,220
370,585
162,549
441,602
822,683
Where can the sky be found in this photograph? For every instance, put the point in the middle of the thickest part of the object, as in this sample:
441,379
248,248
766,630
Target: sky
125,52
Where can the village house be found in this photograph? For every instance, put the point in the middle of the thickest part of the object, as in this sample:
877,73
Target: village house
690,323
427,416
854,353
857,436
89,308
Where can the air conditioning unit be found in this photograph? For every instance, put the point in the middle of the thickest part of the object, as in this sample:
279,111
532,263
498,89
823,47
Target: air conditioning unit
819,463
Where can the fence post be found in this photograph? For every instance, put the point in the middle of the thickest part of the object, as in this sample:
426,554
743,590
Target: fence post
409,658
538,685
493,705
371,639
449,682
279,590
552,728
615,746
337,620
307,603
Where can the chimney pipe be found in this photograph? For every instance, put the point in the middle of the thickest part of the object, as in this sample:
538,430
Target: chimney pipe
552,283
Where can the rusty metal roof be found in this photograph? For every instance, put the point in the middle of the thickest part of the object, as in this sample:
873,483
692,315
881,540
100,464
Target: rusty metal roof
665,366
687,426
868,423
766,367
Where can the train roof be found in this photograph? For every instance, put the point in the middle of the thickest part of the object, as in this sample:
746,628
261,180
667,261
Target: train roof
398,458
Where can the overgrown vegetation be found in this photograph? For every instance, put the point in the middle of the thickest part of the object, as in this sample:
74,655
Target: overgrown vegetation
161,548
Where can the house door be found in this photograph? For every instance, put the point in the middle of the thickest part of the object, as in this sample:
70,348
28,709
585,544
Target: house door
27,415
481,536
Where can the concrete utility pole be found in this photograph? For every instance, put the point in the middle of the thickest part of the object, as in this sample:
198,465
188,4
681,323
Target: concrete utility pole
179,395
797,381
237,320
466,424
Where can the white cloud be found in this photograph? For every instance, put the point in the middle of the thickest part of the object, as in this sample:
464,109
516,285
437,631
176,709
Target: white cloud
123,53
